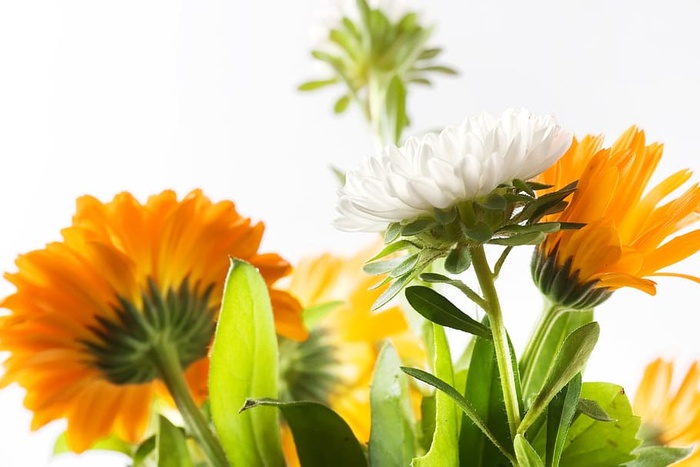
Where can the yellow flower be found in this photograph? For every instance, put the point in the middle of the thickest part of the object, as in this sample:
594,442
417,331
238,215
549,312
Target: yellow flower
668,418
631,232
88,309
350,336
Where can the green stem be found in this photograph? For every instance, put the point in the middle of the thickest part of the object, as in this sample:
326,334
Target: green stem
500,338
534,345
171,372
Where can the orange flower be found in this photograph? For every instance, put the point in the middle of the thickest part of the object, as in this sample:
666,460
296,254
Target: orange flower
669,418
352,335
629,234
88,309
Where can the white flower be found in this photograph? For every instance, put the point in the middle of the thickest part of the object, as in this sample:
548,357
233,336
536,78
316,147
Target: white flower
440,170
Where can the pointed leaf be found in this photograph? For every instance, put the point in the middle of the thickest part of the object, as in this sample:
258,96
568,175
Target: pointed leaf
570,360
171,445
391,441
313,85
591,442
436,308
458,260
341,105
442,450
593,410
530,238
321,436
483,388
526,455
243,365
392,248
658,456
560,414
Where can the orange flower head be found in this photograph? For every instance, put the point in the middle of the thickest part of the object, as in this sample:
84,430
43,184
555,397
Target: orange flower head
631,233
335,365
89,310
670,417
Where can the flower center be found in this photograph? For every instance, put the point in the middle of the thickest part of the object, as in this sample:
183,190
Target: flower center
125,349
308,369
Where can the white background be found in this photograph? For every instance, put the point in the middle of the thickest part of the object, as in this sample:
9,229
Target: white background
98,97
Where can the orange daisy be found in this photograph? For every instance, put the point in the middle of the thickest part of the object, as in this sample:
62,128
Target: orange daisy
338,359
90,311
631,231
670,418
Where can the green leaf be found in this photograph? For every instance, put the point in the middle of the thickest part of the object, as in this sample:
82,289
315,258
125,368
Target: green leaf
427,54
438,309
493,202
416,227
392,248
393,290
427,421
479,233
171,445
111,443
483,388
392,440
396,117
313,85
445,216
603,444
341,105
525,453
145,453
569,361
321,436
244,365
449,391
406,266
392,232
382,267
593,410
560,414
439,69
458,260
544,227
442,450
658,456
534,367
464,288
531,238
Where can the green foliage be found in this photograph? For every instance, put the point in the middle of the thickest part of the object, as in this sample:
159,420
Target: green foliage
111,443
171,445
392,440
442,450
569,361
603,444
525,453
658,456
375,59
321,436
483,390
244,365
560,414
436,308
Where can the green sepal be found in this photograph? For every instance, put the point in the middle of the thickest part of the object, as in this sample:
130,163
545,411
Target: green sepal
458,260
392,232
438,309
392,440
530,238
321,436
416,227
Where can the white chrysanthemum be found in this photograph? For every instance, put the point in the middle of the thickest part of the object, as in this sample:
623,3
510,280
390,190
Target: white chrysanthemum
442,169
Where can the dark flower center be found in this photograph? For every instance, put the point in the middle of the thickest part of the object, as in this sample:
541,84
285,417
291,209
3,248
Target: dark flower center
124,349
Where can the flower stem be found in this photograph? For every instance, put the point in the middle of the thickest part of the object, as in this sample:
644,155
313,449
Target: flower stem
500,338
171,372
535,345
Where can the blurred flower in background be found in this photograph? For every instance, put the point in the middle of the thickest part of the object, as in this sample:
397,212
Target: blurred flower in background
375,50
335,364
92,314
670,416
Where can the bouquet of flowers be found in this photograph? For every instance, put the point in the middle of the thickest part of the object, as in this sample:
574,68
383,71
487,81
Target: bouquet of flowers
161,331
